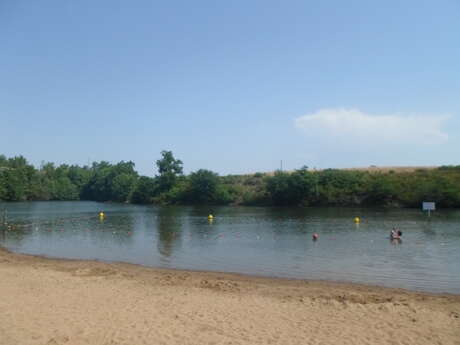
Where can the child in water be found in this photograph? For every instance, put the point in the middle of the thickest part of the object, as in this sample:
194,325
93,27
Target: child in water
395,234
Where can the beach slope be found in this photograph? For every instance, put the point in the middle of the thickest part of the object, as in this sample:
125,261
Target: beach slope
50,301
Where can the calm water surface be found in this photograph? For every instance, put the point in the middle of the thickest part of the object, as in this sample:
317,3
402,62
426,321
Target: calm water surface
251,240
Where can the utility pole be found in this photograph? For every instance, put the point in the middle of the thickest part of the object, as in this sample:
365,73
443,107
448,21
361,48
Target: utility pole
281,165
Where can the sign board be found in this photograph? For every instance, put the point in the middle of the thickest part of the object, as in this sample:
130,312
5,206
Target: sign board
428,206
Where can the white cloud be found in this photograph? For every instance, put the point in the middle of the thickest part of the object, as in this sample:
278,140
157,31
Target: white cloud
353,126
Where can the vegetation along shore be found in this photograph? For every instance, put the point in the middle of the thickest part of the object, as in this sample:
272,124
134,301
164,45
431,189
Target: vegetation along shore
103,181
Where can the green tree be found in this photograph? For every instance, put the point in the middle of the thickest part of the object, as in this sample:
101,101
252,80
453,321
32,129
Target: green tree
302,186
381,190
79,176
15,185
203,187
277,187
3,168
169,169
16,176
64,189
340,187
105,183
122,186
291,188
144,190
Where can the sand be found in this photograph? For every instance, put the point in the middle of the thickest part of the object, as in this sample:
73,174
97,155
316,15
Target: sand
52,301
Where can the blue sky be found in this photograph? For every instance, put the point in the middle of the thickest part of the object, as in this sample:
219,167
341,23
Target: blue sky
231,86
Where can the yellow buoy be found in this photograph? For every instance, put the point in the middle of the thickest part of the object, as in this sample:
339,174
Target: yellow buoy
357,220
101,214
210,217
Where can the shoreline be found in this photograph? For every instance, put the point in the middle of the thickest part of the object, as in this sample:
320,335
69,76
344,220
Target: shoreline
228,275
66,301
393,206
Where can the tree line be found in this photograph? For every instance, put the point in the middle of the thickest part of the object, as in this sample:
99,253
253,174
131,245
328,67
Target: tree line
103,181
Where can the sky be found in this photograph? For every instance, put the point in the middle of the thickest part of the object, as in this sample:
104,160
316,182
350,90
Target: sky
231,86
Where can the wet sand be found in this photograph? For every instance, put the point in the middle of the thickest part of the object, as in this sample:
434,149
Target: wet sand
54,301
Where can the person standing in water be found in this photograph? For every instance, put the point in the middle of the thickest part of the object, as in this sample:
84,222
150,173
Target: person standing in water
393,233
395,236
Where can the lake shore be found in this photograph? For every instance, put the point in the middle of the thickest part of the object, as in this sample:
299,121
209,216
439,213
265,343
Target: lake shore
58,301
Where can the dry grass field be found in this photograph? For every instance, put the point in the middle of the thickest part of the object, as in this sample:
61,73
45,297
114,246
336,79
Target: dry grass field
374,168
397,169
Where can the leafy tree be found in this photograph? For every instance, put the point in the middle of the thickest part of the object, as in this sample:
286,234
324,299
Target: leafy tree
301,186
15,185
169,169
97,187
381,190
79,176
64,189
291,188
143,191
104,183
16,176
340,187
278,188
203,186
122,186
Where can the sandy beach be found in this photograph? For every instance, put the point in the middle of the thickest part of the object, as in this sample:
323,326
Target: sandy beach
52,301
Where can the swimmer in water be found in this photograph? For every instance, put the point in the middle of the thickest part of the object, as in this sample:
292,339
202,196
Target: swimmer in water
395,233
395,236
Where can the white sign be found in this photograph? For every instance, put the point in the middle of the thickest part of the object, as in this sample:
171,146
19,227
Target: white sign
428,206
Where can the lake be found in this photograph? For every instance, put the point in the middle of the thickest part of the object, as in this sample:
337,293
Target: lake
275,242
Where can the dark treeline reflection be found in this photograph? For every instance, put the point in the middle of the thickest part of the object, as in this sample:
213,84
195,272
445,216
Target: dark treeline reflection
272,241
104,181
169,227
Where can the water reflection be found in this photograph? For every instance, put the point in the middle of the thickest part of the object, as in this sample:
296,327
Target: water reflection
14,232
395,241
118,229
169,228
428,229
253,240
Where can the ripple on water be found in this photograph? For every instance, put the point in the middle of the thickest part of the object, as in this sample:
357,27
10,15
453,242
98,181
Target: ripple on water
251,240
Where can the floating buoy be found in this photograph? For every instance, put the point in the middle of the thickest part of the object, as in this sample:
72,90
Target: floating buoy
101,214
210,217
315,236
357,220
